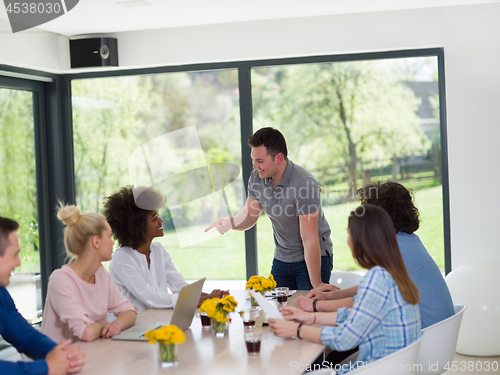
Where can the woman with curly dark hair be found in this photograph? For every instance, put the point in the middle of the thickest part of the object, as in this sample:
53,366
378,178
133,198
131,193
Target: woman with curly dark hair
396,200
435,299
142,269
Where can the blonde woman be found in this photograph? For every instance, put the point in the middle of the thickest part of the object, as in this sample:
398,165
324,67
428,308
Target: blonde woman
81,293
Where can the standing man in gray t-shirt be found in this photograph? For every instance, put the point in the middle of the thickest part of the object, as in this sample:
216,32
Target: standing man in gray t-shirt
290,196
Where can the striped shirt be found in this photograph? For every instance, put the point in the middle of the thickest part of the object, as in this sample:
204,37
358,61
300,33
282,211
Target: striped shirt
380,321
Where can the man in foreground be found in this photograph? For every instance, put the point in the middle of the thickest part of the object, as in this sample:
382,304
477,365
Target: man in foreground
49,358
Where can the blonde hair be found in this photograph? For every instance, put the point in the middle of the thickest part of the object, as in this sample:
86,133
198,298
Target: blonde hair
79,228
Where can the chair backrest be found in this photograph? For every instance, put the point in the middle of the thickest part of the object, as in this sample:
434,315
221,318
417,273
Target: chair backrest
439,344
400,362
345,279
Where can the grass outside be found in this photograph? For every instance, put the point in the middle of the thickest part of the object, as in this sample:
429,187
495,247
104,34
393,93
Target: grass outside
223,258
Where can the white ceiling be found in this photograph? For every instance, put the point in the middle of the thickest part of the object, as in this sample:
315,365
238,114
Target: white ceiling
108,16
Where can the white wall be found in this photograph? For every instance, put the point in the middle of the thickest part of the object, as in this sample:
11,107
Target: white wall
471,41
34,49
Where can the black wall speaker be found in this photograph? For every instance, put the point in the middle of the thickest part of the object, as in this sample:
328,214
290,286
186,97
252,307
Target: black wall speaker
93,52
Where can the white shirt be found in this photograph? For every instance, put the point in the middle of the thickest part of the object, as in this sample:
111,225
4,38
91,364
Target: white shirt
145,287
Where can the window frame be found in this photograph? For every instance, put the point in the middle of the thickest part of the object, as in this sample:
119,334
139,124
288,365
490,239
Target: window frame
53,167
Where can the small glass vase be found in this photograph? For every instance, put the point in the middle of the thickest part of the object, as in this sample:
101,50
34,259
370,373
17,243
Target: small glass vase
253,302
168,355
219,329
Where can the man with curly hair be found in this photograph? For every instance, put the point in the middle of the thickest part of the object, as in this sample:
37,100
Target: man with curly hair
142,269
435,299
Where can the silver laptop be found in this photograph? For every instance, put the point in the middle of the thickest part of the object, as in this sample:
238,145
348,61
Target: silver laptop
184,311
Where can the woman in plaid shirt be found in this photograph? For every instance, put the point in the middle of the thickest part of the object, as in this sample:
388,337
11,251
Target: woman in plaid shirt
385,315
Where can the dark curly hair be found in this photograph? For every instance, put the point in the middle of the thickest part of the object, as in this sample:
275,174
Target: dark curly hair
128,222
396,200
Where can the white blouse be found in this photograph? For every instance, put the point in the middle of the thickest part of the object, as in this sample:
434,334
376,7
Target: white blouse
147,288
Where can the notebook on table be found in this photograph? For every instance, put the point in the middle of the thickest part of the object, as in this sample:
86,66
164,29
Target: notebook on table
184,311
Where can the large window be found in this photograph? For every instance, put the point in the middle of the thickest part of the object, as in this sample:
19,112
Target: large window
349,120
183,131
18,198
352,123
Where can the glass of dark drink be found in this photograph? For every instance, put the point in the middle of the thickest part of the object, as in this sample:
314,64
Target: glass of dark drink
205,321
281,296
253,340
249,316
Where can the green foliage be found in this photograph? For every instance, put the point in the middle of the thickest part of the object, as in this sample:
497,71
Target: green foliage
107,128
18,199
114,116
28,242
218,155
338,114
414,69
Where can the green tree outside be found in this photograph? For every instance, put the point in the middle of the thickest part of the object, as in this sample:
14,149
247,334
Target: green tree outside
18,199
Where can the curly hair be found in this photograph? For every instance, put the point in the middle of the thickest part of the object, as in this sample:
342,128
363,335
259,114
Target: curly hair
396,200
128,222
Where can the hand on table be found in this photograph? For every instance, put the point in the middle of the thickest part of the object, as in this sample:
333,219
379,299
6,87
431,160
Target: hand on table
76,358
283,328
297,315
216,293
304,304
110,330
316,294
64,359
326,287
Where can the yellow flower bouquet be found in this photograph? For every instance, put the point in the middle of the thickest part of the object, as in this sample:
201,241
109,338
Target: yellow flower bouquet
260,284
218,310
168,337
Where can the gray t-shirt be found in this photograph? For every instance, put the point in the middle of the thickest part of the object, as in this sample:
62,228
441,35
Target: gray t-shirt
298,193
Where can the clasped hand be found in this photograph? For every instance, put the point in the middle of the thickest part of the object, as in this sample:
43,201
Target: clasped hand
65,359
